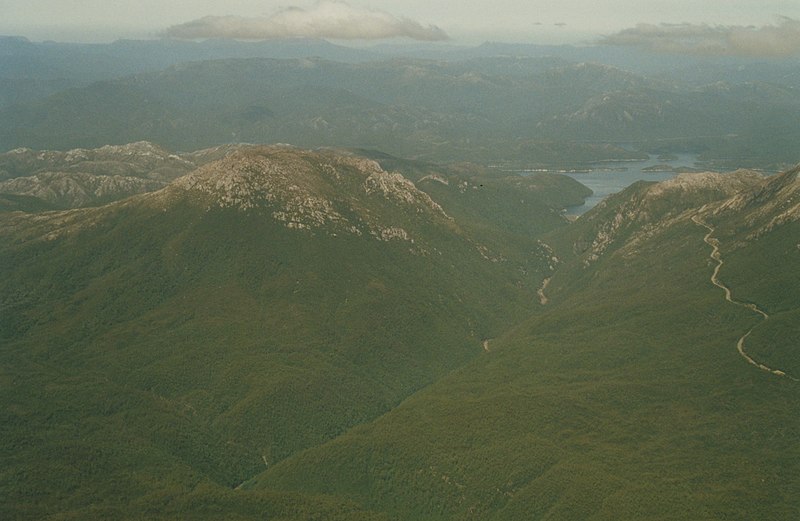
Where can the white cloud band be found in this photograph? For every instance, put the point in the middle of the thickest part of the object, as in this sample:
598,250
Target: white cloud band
327,19
778,40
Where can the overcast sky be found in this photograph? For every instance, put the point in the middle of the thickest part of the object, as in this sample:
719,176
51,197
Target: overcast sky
463,21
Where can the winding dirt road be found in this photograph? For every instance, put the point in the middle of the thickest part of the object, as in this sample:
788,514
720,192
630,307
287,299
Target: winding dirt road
717,256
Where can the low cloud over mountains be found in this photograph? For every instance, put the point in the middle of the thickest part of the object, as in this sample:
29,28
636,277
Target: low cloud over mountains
782,39
327,19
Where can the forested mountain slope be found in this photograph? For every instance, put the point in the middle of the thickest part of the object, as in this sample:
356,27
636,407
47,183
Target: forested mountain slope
627,397
268,301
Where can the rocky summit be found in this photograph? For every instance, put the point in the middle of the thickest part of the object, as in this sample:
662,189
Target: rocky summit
322,190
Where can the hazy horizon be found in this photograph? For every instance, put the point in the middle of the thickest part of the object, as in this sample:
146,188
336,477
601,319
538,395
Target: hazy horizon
358,22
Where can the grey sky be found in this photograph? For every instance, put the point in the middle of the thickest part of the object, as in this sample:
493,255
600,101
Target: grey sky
468,21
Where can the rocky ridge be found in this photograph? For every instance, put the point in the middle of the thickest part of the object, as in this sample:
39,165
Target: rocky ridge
771,204
69,190
140,159
326,191
645,208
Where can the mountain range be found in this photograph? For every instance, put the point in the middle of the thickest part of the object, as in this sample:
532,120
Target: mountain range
296,280
525,104
280,332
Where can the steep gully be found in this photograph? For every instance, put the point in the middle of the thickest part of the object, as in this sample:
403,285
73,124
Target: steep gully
717,257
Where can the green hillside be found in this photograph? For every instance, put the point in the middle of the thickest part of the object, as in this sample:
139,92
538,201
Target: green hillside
22,203
160,351
626,399
293,334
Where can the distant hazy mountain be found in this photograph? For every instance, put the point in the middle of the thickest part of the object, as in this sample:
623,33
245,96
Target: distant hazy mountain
89,177
66,190
86,63
82,177
141,159
530,110
21,58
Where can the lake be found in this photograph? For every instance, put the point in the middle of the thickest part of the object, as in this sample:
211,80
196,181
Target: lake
608,178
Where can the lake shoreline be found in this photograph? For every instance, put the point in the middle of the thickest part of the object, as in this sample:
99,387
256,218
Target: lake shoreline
605,178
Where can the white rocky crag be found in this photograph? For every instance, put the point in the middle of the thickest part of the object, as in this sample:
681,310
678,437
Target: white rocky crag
398,188
437,178
321,191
